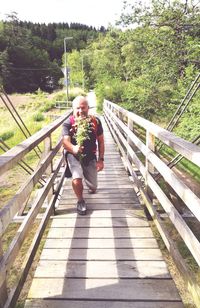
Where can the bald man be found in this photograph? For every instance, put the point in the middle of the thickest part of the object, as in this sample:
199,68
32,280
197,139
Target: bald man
91,163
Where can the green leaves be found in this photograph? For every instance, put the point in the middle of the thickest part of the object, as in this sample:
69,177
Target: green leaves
83,129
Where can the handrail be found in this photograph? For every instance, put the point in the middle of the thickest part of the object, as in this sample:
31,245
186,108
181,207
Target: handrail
50,164
185,148
14,155
121,123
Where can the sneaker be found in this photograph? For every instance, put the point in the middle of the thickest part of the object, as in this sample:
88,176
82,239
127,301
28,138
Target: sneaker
91,191
81,207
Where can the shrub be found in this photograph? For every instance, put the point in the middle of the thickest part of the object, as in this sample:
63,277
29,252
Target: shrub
38,117
7,135
47,106
110,89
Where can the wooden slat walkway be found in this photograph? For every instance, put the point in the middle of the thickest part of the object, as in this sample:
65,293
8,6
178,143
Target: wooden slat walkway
108,258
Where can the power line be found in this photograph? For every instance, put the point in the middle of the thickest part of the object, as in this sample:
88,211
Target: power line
31,69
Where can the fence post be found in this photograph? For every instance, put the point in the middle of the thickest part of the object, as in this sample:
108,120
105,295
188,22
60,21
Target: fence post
150,143
3,284
130,126
49,170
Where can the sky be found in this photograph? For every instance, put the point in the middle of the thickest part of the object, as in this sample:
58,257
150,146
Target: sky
94,13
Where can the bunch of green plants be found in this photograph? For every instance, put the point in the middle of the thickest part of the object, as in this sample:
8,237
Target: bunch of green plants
38,117
83,129
7,135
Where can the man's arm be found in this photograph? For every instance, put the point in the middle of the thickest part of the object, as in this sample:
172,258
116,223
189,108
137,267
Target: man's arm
101,150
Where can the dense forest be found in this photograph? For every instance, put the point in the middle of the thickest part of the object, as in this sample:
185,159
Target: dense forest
146,64
31,54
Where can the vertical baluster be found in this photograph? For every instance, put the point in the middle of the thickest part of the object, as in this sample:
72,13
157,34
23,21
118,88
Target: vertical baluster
49,170
3,284
150,143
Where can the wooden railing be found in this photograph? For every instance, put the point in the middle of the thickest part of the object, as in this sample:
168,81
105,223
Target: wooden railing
49,165
140,157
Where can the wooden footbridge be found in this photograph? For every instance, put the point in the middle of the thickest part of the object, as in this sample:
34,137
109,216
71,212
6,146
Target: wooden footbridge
108,258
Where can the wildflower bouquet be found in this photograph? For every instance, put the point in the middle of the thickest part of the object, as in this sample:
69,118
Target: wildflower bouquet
83,129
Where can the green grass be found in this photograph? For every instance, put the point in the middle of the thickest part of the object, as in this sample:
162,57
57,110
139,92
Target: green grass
184,164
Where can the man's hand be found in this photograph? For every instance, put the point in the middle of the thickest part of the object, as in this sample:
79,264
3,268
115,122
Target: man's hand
99,165
77,149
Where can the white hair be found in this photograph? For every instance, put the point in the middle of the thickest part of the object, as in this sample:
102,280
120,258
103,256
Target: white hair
78,99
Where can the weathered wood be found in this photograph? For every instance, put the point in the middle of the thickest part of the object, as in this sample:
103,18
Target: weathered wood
27,262
95,254
17,241
3,283
91,201
126,232
14,155
185,148
101,304
188,197
185,232
108,257
102,269
71,207
184,192
103,194
100,222
111,289
8,211
108,213
99,243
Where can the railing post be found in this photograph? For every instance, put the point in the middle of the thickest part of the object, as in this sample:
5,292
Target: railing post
49,170
130,126
3,284
150,143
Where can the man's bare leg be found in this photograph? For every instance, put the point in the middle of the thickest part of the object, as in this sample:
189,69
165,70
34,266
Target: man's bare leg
77,185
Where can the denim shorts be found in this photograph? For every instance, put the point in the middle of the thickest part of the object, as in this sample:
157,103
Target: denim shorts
80,171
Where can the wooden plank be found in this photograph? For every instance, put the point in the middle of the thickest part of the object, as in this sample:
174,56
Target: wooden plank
100,222
100,304
100,232
103,200
104,191
99,206
102,269
102,195
101,254
119,213
133,289
101,243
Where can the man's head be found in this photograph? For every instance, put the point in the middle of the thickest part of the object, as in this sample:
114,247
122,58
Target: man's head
80,106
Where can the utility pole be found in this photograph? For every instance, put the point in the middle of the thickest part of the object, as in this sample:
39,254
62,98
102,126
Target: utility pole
66,67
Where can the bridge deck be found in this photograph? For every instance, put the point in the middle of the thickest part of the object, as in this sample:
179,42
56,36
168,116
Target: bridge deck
108,258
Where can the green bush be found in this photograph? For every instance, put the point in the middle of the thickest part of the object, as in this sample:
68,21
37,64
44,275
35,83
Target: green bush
47,106
7,135
110,89
38,117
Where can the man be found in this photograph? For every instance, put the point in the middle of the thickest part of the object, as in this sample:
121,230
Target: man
81,158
